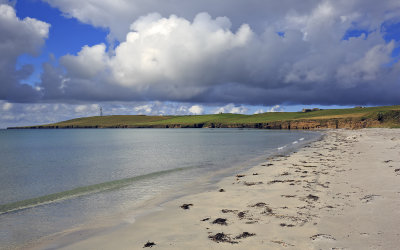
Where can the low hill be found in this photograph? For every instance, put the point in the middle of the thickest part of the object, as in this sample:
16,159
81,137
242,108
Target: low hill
384,116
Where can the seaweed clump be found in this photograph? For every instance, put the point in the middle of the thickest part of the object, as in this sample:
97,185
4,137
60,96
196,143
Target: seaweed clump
221,237
149,244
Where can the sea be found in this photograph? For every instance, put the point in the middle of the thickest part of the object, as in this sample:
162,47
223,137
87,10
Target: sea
55,180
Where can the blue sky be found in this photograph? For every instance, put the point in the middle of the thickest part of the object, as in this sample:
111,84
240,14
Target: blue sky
66,35
186,57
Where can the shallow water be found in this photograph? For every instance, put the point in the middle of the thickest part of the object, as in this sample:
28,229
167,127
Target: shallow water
53,180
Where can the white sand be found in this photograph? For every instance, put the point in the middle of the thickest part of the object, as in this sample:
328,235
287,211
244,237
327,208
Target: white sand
342,192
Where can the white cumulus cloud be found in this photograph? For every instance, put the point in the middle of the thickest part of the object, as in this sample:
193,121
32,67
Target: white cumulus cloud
276,108
231,108
196,110
17,37
207,60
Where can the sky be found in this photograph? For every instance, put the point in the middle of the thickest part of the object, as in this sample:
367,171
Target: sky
62,59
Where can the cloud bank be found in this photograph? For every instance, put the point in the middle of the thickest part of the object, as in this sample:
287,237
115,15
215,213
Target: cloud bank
242,52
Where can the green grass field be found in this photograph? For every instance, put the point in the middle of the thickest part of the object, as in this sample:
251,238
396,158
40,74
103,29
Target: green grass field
388,116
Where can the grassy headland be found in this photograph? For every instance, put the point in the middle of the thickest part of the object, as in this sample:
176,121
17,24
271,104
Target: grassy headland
384,116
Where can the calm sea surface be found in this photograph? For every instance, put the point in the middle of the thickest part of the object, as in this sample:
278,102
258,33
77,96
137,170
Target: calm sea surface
53,180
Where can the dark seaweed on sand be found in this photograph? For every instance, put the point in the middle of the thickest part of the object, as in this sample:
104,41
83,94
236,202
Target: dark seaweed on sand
149,244
186,206
252,183
228,211
241,215
221,237
312,197
259,204
244,235
220,221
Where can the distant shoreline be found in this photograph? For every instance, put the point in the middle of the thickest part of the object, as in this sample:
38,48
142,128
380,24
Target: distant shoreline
355,118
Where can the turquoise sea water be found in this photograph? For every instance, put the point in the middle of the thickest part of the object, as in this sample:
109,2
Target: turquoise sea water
53,180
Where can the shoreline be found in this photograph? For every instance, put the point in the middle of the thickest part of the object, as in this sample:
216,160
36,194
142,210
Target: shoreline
202,184
336,192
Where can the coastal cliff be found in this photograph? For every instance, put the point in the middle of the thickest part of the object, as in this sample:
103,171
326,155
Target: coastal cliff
297,124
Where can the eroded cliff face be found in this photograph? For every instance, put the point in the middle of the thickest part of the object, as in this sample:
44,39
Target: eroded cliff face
296,124
305,124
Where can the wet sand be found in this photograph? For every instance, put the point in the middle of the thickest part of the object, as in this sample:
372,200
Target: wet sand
342,192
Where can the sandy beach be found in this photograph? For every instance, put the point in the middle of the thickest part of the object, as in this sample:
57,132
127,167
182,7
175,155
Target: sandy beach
342,192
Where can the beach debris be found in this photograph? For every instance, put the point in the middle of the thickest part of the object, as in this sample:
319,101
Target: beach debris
280,181
387,161
368,198
255,173
312,197
251,221
228,211
288,196
286,225
186,206
252,183
292,218
240,175
270,164
322,237
268,211
149,244
221,237
244,235
220,221
221,190
206,219
259,204
241,215
323,185
282,243
397,170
